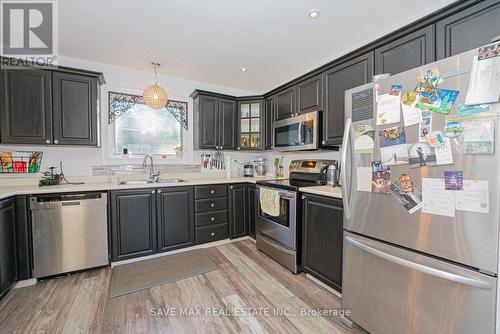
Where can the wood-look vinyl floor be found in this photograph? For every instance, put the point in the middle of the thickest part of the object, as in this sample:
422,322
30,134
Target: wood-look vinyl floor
248,293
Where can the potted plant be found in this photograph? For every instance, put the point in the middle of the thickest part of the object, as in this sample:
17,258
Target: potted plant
178,151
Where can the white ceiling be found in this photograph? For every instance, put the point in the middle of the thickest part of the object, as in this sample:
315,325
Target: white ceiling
210,40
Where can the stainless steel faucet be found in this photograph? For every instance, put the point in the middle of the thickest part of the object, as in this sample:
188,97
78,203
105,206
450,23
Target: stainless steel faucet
153,176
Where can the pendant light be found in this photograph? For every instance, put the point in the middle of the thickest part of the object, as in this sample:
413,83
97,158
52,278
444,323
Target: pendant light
154,95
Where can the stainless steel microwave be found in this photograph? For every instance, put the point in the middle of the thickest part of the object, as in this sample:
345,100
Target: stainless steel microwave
297,133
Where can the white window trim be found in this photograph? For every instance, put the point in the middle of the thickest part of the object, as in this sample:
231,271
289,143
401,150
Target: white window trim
107,138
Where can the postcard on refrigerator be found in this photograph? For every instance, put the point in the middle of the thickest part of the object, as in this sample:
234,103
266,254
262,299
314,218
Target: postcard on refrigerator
364,136
411,114
428,84
381,178
392,136
388,109
474,197
364,179
453,180
479,137
444,155
421,155
436,200
425,127
484,85
411,201
394,155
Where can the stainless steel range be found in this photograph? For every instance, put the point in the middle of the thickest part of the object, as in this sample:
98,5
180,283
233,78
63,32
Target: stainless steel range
278,236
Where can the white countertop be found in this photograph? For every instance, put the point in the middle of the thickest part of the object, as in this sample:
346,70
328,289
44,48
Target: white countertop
327,190
12,190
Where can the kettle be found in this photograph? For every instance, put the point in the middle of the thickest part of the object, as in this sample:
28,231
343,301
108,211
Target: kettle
333,174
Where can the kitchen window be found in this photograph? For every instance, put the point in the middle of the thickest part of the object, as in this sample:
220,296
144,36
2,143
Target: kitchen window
143,130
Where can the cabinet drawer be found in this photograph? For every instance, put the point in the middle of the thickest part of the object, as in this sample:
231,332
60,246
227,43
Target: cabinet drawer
209,205
211,191
211,233
211,218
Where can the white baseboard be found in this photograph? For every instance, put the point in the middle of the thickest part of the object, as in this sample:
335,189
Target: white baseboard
26,282
317,281
207,245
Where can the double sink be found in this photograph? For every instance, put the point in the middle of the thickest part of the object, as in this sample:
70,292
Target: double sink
130,182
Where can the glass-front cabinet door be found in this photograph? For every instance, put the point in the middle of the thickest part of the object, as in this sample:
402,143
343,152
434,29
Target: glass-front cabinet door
250,125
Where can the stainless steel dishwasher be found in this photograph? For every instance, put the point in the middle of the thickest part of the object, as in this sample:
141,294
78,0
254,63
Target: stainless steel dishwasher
69,232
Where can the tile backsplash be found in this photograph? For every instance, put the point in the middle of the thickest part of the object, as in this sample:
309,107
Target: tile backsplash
109,170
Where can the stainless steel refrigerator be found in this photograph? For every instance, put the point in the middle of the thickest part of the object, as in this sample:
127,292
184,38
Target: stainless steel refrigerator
420,272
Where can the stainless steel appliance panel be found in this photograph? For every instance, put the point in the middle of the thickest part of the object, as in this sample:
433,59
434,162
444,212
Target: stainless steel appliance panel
69,235
284,232
469,238
392,290
297,133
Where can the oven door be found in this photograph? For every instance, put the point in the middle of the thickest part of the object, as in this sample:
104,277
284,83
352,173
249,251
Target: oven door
282,228
297,133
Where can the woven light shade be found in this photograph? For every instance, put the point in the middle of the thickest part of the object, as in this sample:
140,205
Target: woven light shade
154,95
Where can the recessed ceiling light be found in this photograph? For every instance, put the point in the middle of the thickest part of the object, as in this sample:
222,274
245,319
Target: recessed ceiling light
243,69
313,14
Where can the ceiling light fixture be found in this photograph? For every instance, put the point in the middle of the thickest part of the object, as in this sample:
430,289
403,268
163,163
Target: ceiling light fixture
313,14
243,69
154,95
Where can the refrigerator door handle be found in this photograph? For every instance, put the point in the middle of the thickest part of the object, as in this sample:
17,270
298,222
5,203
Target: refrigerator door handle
420,267
343,174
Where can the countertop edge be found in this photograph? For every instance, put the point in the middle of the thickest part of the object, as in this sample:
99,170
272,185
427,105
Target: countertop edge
327,191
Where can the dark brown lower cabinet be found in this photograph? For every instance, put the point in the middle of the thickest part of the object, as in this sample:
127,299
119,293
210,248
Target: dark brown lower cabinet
148,221
253,207
238,210
133,223
174,207
322,220
8,270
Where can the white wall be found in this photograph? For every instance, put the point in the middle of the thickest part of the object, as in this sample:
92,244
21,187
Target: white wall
79,161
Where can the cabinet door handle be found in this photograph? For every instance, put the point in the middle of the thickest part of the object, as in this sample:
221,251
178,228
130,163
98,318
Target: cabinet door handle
48,141
231,187
159,191
212,191
221,147
212,219
153,191
238,147
212,234
212,205
56,141
323,142
303,197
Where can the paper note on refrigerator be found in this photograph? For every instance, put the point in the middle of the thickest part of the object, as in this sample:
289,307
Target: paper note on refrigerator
484,86
474,197
388,109
436,200
411,114
364,179
443,152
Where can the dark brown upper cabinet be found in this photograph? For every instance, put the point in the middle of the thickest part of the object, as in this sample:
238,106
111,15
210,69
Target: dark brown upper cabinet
468,29
206,122
49,107
270,109
336,81
227,124
74,109
410,51
285,103
250,124
26,108
310,95
214,121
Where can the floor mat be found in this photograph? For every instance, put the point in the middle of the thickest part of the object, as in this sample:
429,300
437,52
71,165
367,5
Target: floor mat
146,274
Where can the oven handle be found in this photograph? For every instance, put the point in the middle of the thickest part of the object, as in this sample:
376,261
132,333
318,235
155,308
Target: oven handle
283,193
